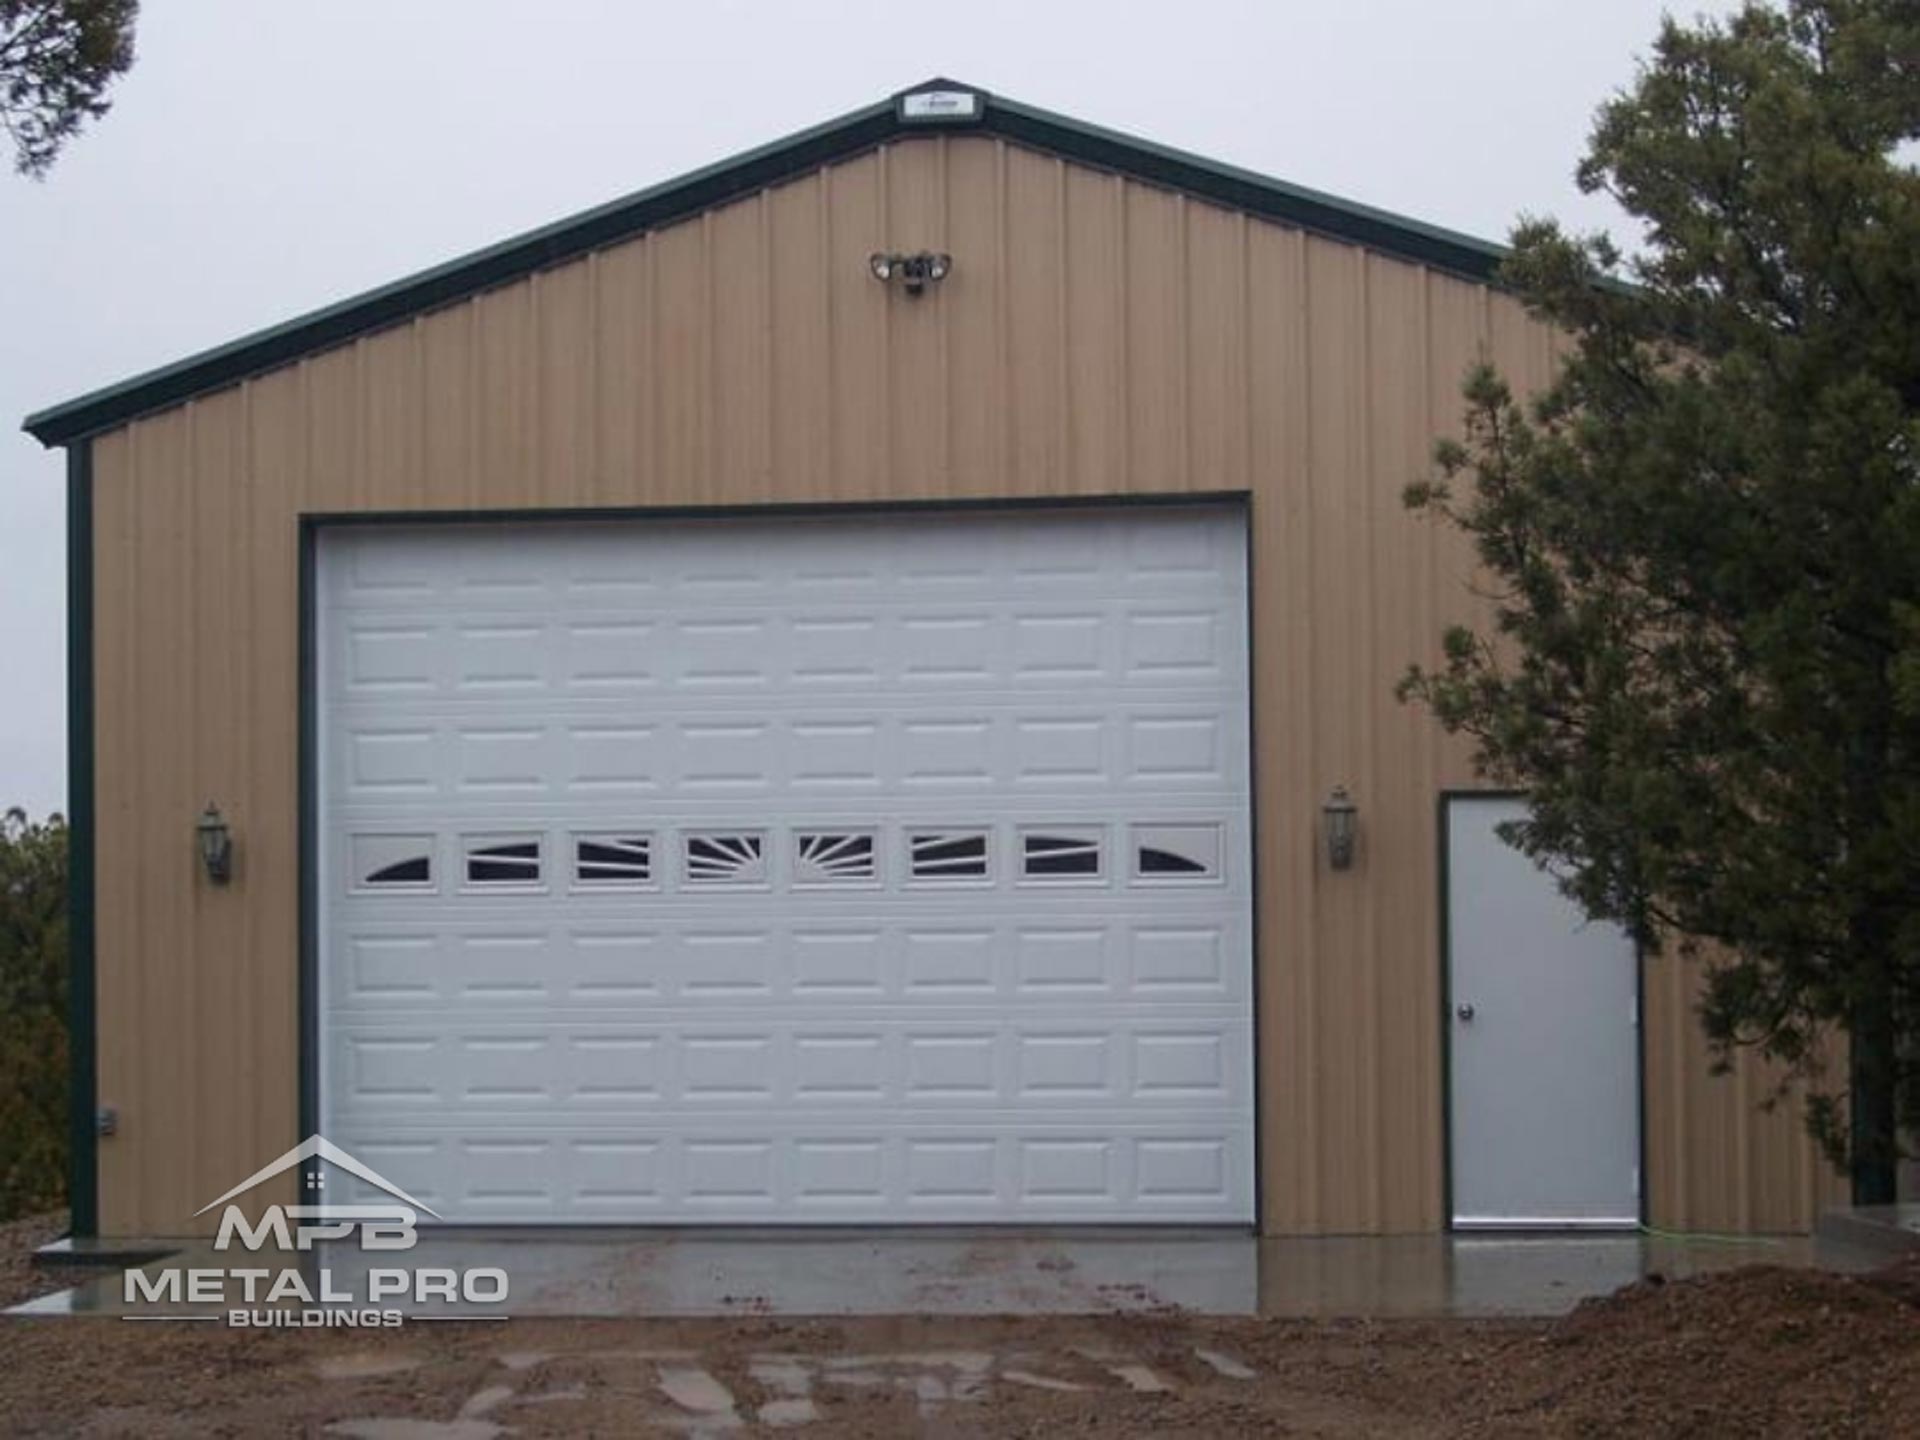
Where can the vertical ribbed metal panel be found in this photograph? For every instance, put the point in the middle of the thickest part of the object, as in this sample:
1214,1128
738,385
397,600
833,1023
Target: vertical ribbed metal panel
1097,337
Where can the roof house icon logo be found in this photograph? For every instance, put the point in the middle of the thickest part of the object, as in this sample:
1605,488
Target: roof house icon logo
381,1226
297,1293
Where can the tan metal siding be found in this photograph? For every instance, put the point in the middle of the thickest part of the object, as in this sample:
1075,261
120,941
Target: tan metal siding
1097,337
1716,1160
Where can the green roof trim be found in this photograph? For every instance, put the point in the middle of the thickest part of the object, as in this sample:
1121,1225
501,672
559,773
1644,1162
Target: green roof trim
731,179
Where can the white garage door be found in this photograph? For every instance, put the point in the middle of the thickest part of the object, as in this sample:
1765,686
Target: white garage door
791,870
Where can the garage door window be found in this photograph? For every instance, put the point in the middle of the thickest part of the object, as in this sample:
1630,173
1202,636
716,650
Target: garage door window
821,858
499,860
393,862
834,857
944,855
1175,854
1059,853
616,861
726,857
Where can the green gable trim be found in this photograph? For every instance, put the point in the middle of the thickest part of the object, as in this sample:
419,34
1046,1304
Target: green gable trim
1237,189
731,179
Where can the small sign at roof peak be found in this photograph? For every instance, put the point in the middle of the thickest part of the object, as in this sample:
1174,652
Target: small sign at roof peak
942,105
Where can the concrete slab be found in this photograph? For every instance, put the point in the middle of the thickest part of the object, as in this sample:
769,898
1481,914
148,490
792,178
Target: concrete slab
1889,1230
115,1253
666,1273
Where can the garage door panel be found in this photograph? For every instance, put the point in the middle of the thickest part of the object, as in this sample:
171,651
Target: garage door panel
502,658
1125,643
850,870
619,653
579,566
747,1176
1195,959
833,651
617,763
390,762
500,754
981,1063
841,967
614,758
376,659
496,760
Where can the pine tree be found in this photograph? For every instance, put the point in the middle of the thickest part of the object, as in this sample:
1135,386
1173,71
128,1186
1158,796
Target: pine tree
33,1014
1704,539
57,58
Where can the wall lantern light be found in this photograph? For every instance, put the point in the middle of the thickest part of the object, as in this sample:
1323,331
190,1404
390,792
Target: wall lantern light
216,844
914,272
1338,816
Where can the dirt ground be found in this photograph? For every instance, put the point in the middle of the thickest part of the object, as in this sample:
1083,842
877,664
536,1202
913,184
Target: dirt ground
1759,1351
20,1278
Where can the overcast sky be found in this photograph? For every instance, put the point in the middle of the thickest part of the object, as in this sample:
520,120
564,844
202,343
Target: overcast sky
263,159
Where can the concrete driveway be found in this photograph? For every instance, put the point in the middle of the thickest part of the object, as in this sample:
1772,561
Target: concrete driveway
584,1273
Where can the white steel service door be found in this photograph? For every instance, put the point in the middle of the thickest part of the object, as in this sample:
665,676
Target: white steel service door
1544,1038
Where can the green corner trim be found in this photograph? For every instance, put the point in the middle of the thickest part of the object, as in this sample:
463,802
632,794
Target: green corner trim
308,956
83,1170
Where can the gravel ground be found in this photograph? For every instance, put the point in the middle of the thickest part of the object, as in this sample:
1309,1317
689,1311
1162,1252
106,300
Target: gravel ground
1759,1351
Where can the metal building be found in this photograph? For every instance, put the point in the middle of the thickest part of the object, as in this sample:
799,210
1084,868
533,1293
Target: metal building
851,687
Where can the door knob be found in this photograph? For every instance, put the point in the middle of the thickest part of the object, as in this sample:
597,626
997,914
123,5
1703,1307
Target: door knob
1465,1012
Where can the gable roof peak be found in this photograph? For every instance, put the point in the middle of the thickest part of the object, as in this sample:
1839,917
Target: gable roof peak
768,165
939,82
